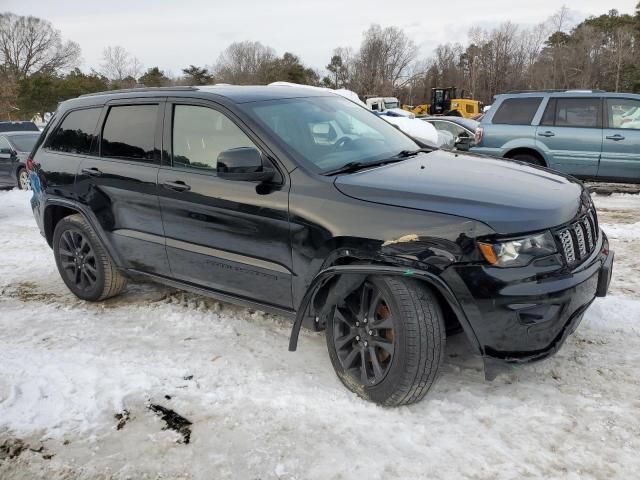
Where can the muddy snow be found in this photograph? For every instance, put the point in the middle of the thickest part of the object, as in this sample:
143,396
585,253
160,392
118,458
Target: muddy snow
90,390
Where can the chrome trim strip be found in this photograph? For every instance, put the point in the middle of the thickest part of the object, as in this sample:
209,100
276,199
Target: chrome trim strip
212,252
233,257
147,237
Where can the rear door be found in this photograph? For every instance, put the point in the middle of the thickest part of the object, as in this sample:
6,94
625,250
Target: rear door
621,143
570,134
230,236
6,160
119,182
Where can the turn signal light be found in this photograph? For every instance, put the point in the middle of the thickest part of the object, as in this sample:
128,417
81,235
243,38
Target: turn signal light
488,253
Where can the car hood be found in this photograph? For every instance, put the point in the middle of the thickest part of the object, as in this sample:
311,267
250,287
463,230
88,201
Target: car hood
509,196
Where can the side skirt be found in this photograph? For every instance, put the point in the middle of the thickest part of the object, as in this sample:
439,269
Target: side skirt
225,297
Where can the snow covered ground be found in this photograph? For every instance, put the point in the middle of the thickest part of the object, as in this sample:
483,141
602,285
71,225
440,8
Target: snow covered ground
72,372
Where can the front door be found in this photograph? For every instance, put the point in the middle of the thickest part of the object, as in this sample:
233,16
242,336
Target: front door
621,143
229,236
570,133
118,182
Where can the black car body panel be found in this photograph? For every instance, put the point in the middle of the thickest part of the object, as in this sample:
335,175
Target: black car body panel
509,197
283,245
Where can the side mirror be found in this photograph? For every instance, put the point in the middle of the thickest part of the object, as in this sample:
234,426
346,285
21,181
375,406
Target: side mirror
242,164
463,143
6,153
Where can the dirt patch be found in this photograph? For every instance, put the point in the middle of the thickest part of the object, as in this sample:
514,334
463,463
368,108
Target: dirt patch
617,215
174,421
123,418
27,292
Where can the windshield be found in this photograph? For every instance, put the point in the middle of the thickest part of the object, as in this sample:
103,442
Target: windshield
24,143
391,105
330,132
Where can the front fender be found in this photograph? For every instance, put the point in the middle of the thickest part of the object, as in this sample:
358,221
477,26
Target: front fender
354,276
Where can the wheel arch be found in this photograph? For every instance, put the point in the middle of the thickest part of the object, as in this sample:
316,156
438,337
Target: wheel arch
337,281
57,209
528,151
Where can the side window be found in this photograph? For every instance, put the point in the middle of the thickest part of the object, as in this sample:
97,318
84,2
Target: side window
200,134
129,132
76,132
517,111
4,144
549,116
578,112
623,113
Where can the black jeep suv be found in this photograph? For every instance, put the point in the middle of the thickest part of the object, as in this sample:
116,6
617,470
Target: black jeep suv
303,203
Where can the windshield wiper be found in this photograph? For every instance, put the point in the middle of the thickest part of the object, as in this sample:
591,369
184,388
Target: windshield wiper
411,153
355,166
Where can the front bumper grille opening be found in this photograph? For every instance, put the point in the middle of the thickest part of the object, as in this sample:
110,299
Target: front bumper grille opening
579,239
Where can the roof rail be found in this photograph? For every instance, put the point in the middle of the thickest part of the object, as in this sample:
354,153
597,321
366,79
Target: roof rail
141,89
557,90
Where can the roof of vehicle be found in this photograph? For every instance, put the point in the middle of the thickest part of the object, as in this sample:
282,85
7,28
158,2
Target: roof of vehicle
18,126
19,133
233,93
564,93
465,122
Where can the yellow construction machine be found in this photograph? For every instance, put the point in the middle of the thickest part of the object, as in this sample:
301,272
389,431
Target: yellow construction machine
445,101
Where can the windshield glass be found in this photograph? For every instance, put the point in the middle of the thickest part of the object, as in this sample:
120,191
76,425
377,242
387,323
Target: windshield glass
24,143
330,132
391,105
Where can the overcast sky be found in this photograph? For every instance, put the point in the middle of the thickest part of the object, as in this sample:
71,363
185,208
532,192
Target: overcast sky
173,34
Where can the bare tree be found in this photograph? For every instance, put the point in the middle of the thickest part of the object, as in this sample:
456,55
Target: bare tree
385,56
244,63
118,64
31,45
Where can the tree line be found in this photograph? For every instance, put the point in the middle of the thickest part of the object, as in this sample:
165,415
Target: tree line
38,68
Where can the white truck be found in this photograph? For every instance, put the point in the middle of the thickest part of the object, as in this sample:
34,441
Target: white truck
380,104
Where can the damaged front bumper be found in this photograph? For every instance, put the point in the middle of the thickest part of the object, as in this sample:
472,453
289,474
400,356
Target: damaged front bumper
520,320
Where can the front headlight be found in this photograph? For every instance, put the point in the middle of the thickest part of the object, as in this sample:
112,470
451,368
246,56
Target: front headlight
518,252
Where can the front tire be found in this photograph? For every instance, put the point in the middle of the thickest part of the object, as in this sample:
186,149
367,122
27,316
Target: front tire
386,340
83,263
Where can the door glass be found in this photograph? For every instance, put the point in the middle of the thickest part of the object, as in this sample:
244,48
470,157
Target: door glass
76,132
623,113
517,111
129,132
200,134
578,112
4,144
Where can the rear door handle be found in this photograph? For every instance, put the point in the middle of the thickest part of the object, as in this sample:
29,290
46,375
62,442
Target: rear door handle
615,137
546,134
92,172
178,186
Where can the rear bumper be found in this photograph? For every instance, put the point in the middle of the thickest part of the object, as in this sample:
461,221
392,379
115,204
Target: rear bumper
518,317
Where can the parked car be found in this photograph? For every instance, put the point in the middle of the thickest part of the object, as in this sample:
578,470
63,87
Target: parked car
20,126
239,193
14,149
588,134
462,130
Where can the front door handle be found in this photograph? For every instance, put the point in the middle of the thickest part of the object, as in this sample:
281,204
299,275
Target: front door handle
92,172
617,137
178,186
546,134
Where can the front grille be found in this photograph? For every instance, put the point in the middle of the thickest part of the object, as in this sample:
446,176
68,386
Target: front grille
579,238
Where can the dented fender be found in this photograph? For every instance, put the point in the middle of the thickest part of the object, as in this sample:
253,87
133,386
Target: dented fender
352,276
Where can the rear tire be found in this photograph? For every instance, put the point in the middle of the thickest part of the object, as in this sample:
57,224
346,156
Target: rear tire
528,158
402,356
23,179
83,263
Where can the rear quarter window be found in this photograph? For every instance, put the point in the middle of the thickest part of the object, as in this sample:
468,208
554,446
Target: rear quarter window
76,132
517,111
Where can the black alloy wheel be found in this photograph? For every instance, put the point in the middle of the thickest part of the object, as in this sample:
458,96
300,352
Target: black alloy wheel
363,335
78,260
